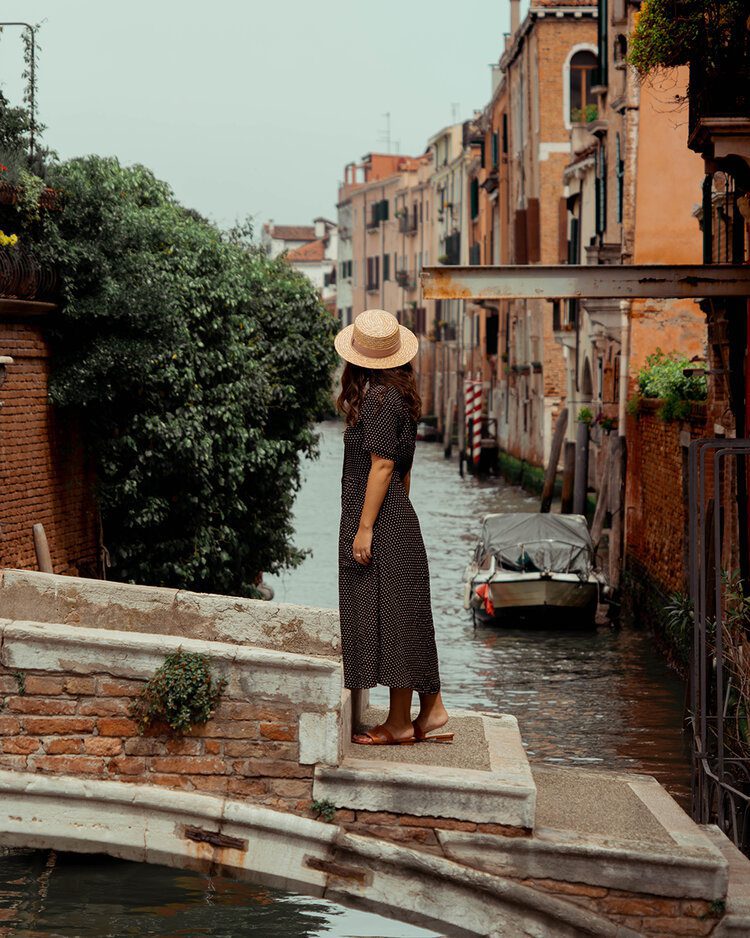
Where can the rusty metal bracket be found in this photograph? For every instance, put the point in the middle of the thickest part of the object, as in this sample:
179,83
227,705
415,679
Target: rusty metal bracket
586,281
214,838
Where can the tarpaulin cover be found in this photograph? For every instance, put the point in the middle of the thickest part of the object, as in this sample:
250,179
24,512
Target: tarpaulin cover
538,543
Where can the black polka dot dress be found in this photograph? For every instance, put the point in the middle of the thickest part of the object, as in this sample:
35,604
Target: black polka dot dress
387,632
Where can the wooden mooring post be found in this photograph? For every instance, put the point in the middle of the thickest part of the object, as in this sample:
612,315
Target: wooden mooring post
582,469
554,458
569,474
43,556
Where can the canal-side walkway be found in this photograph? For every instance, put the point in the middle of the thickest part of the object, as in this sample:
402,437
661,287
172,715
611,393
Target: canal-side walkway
469,839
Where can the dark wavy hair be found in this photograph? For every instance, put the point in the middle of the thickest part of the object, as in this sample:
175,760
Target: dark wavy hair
355,381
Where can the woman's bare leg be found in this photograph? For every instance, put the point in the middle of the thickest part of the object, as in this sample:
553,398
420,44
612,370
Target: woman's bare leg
432,713
398,722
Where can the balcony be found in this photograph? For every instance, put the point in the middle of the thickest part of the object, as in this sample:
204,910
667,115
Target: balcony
406,280
372,286
408,224
452,252
22,277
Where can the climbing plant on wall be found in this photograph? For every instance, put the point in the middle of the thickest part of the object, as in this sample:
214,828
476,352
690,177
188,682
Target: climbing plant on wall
197,366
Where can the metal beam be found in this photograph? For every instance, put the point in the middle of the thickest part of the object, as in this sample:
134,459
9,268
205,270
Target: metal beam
592,281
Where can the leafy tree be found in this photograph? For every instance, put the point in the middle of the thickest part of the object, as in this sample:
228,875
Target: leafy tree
197,366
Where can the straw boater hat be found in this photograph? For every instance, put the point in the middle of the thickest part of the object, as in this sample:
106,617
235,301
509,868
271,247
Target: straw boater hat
376,340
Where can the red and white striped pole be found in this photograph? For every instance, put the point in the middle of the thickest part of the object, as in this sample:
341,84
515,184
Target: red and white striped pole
468,414
477,428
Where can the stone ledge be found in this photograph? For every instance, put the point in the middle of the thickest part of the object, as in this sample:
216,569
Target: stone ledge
504,795
104,604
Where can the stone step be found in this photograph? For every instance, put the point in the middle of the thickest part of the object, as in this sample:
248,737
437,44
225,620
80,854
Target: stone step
606,830
483,777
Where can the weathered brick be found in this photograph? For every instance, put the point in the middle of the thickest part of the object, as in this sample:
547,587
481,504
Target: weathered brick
211,747
9,725
247,788
55,705
116,726
20,744
184,747
58,726
37,684
278,731
239,710
189,765
80,686
446,824
288,787
107,707
128,765
263,768
106,687
102,745
69,765
255,750
169,781
571,889
63,744
143,746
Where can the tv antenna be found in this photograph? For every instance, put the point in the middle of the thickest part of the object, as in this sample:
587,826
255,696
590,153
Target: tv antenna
385,135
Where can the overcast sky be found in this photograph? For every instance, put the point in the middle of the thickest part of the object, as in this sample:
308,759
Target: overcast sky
249,107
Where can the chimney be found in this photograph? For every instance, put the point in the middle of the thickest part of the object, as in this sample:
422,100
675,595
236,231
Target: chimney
515,16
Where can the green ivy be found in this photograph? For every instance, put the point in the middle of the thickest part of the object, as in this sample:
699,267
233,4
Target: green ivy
196,366
182,694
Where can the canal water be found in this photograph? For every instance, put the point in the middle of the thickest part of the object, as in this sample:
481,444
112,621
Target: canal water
582,697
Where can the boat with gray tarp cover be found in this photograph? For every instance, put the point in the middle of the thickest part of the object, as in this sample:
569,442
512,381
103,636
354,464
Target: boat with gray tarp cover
525,564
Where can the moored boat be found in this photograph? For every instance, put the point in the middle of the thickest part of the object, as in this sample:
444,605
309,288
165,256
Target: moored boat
528,565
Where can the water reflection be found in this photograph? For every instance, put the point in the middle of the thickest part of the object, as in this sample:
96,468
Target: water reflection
48,894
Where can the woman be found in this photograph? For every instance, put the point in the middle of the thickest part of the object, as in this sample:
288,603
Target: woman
387,634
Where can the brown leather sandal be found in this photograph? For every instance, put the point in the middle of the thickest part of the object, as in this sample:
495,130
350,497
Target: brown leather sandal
380,736
421,737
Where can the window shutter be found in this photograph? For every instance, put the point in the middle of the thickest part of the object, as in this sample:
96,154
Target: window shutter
533,246
474,197
495,154
386,267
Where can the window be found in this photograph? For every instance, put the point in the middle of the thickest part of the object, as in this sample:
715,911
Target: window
601,190
583,67
495,150
474,197
386,267
505,133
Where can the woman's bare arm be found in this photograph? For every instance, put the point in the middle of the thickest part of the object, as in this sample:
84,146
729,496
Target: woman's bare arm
407,481
378,480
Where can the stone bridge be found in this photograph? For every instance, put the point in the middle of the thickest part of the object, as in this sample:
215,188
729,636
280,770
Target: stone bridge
468,839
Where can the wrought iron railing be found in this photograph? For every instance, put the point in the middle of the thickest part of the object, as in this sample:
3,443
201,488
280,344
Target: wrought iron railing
23,277
721,754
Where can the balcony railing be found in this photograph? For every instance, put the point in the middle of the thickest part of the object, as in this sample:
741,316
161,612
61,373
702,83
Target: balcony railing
408,224
406,280
22,276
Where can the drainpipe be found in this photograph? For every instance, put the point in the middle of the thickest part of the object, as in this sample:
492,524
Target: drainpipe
624,366
515,16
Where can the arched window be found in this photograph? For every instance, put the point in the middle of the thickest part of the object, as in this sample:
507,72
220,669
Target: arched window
583,67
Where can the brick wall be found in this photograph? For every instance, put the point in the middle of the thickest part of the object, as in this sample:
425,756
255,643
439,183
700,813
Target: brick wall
67,724
657,495
43,475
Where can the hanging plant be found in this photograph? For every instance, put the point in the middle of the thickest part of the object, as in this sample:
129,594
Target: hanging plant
183,693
